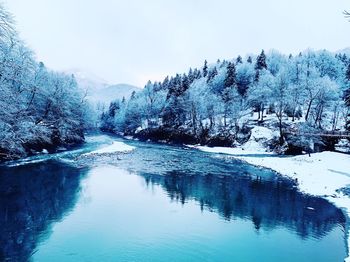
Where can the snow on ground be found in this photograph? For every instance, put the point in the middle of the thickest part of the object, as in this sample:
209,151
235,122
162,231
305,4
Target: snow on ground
320,174
252,147
115,147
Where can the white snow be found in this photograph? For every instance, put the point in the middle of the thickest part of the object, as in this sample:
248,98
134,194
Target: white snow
115,147
253,146
320,174
44,151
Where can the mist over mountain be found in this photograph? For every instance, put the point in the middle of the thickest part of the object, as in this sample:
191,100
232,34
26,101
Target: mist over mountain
99,91
107,94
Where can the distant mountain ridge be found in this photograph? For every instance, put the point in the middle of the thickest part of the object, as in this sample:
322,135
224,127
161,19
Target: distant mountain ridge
99,91
110,93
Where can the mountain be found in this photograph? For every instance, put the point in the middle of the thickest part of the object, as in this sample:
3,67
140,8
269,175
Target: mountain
87,80
109,93
100,92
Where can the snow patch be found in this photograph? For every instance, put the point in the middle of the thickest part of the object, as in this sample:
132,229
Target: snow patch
254,146
115,147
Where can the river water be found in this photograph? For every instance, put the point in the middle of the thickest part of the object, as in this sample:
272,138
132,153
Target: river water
159,203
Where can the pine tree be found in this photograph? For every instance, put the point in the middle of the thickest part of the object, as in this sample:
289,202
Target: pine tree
239,60
250,60
185,83
191,76
260,65
347,74
197,73
165,84
212,73
261,61
133,95
230,79
205,68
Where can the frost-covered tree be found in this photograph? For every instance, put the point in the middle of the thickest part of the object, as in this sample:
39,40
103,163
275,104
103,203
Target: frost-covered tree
212,73
219,99
244,78
230,79
279,96
347,96
260,64
260,94
40,108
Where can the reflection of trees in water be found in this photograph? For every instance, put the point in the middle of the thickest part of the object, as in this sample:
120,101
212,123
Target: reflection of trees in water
266,203
31,198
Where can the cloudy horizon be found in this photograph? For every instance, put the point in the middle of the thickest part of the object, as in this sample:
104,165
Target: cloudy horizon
136,41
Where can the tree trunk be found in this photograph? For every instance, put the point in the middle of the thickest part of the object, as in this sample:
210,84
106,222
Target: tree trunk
281,130
308,110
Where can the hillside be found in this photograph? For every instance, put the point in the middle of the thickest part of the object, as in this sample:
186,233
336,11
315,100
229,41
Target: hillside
296,97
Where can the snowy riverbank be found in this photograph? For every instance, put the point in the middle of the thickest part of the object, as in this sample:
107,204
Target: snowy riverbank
320,174
115,147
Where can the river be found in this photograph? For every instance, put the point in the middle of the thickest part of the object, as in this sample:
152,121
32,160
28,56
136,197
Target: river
159,203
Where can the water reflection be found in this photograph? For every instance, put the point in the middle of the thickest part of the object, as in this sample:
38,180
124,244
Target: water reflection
31,198
34,196
268,204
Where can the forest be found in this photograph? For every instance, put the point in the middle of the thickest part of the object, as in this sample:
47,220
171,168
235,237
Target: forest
219,103
40,109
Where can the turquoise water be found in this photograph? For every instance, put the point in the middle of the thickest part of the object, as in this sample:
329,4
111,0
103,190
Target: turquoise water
160,203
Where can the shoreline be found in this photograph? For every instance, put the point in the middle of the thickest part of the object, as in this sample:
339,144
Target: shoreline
322,174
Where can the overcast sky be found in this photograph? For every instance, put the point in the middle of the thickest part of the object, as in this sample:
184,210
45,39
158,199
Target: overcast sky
130,41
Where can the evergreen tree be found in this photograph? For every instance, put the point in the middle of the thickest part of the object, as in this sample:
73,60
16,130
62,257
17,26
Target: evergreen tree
261,61
197,73
239,60
230,79
113,108
260,65
185,84
250,60
205,69
212,73
133,95
191,76
165,84
347,74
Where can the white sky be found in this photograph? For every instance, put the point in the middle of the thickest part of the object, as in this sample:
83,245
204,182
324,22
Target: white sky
130,41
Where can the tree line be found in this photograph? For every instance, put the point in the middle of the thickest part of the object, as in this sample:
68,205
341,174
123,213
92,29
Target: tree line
39,108
310,89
